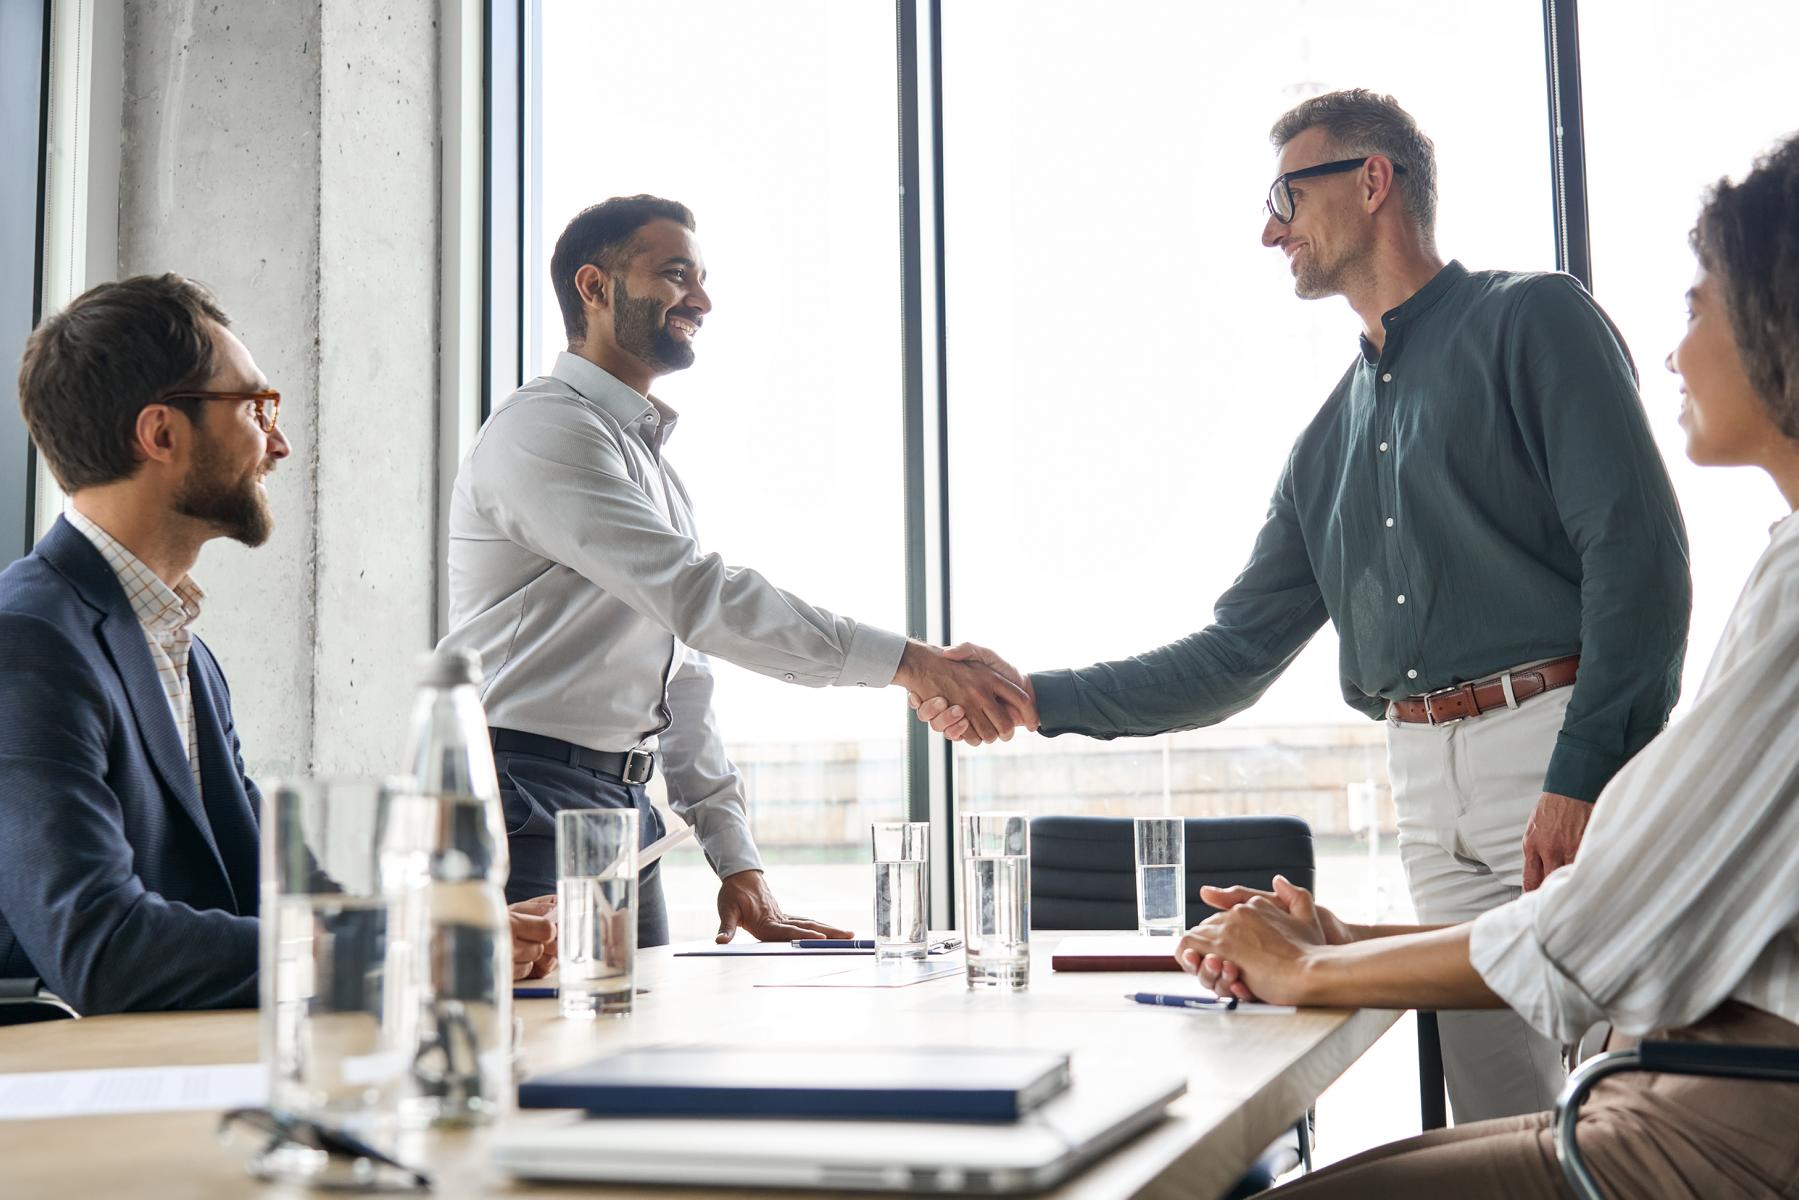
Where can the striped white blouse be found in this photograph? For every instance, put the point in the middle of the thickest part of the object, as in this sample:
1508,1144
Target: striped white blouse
1685,892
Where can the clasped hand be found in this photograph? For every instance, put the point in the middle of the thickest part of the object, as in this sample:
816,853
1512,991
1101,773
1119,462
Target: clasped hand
1255,947
972,695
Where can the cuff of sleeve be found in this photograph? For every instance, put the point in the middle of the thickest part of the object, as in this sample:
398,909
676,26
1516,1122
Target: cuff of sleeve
1503,949
1055,701
1578,771
725,837
873,660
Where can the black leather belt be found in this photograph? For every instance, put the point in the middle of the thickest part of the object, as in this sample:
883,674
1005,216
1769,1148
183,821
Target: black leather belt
629,766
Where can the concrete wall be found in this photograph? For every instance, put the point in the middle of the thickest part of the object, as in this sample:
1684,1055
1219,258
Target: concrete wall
285,153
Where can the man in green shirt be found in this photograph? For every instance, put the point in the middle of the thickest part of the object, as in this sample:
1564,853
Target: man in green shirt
1480,509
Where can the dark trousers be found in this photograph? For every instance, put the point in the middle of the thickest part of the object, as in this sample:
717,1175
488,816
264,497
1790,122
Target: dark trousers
533,790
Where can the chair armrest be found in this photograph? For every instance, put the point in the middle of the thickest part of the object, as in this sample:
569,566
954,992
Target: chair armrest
24,1000
1777,1064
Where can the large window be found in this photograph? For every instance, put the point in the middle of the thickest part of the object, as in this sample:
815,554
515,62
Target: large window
1128,366
1674,100
774,123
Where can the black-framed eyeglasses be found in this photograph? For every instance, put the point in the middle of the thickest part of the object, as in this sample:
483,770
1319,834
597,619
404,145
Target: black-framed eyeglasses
267,404
320,1156
1280,196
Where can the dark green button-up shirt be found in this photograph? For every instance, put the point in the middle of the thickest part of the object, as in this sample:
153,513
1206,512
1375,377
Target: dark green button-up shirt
1481,493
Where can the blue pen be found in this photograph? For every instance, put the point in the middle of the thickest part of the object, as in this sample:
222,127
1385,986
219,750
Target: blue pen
533,993
833,944
1211,1003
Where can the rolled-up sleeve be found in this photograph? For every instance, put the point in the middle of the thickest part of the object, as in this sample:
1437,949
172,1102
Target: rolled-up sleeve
550,477
1686,876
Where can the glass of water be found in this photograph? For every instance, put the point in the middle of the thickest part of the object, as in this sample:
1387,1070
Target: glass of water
1161,875
339,1000
596,906
996,899
902,888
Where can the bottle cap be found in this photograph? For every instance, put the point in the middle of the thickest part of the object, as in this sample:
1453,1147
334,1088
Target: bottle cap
445,668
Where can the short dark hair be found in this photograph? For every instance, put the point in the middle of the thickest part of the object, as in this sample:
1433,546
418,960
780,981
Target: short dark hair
1358,121
604,235
1747,238
89,370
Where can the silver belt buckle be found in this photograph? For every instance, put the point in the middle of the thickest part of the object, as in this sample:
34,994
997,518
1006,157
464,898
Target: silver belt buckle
1430,713
639,765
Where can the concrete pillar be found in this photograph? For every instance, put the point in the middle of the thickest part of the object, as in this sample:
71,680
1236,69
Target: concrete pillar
285,153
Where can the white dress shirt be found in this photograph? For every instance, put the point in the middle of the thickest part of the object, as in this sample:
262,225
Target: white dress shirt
576,573
167,615
1685,892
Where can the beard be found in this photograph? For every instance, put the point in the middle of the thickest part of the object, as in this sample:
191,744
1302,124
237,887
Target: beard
642,330
236,507
1316,280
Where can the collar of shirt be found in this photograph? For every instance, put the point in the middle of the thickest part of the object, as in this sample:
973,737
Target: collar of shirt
1396,318
159,608
653,420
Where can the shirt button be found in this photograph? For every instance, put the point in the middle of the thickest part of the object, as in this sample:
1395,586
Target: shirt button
1387,378
1411,674
788,677
1389,522
1383,447
1402,599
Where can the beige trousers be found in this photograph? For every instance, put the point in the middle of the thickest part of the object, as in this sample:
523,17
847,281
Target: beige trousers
1641,1135
1464,793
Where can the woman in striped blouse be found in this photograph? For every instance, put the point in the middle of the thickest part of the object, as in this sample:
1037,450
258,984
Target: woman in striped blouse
1680,916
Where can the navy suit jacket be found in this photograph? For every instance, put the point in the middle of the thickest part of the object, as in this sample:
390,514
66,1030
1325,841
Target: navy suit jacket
121,885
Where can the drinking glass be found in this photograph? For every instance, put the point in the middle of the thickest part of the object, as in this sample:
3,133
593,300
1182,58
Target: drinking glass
596,905
996,899
339,995
1161,875
902,885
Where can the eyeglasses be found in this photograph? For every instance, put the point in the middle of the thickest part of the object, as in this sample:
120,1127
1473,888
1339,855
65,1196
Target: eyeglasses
268,404
318,1155
1280,196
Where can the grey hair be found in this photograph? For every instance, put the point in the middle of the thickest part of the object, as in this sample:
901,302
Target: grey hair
1358,121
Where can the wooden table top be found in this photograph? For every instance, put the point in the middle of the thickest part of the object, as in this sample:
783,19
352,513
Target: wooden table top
1250,1076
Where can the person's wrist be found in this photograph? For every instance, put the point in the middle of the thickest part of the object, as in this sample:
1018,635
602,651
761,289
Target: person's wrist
912,660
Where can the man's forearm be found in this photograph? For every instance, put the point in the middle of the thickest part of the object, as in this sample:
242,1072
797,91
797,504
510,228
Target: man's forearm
1415,969
1362,933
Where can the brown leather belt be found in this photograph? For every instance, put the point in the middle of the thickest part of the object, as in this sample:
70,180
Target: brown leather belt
1472,699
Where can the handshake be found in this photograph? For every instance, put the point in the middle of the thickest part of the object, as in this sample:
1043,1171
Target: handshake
967,692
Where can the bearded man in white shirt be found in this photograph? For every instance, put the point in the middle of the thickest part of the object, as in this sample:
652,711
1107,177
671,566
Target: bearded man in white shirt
576,573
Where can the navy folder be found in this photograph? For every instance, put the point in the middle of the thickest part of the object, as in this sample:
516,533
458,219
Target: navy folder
922,1083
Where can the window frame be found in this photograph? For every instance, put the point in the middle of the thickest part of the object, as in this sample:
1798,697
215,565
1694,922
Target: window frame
514,153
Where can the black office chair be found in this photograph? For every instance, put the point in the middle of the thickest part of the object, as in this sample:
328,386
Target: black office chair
25,1000
1084,876
1772,1064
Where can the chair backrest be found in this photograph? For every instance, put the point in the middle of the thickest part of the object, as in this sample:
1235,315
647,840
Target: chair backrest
24,1000
1084,869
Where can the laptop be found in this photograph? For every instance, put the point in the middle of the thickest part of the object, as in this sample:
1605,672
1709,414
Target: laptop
1102,1109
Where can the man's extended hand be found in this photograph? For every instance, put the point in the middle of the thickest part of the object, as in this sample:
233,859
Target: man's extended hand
744,900
953,720
1552,836
533,937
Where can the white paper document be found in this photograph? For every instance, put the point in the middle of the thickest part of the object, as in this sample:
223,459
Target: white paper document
903,973
678,832
40,1094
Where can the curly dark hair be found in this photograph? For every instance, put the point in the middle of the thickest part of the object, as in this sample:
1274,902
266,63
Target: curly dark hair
1748,238
604,235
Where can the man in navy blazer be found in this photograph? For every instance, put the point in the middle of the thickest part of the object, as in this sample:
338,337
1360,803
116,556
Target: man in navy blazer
128,829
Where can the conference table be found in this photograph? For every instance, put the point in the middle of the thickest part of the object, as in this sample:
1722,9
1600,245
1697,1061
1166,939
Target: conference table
1249,1075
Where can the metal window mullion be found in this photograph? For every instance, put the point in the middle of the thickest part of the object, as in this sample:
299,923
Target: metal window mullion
1567,139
